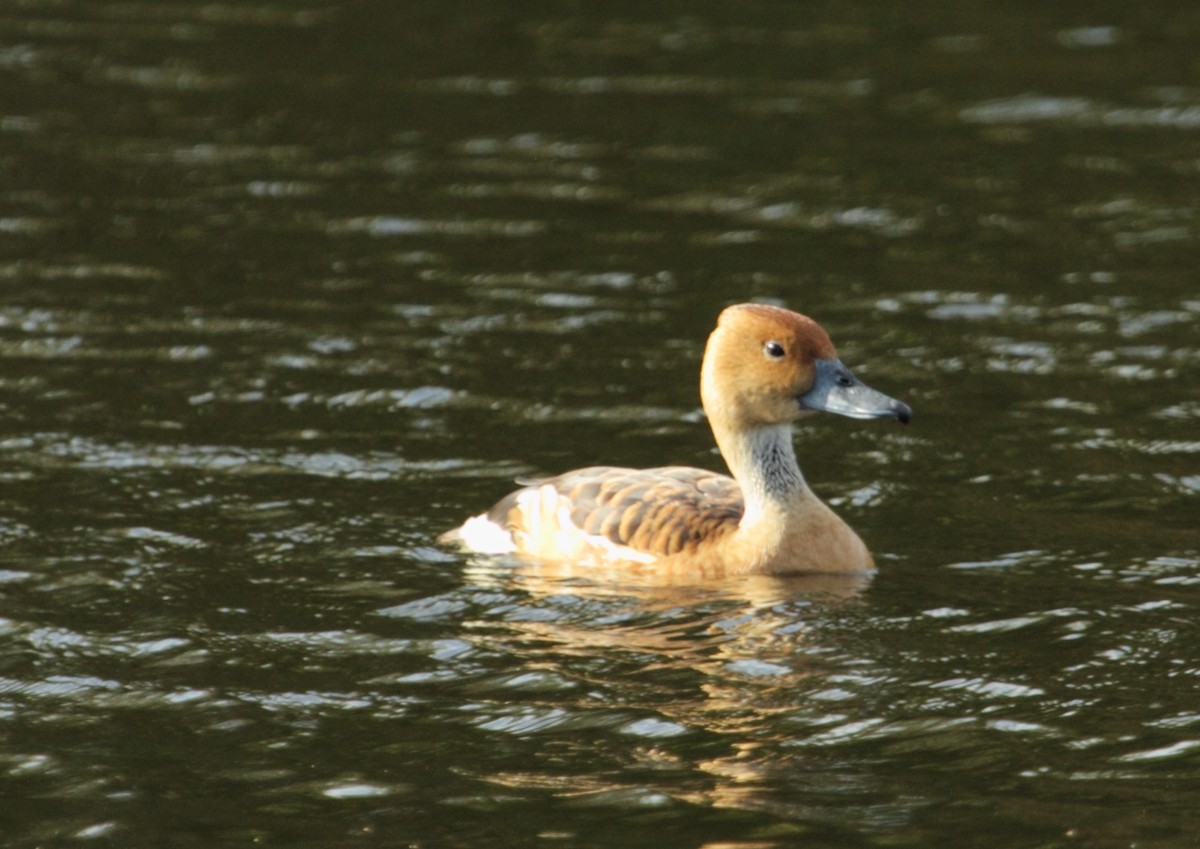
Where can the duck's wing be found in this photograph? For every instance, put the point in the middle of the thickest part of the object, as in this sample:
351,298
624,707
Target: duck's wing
617,513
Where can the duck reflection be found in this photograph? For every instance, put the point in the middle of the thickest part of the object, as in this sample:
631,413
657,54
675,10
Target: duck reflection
740,659
658,588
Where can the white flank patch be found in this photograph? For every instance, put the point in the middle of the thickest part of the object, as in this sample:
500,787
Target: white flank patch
482,535
546,531
550,533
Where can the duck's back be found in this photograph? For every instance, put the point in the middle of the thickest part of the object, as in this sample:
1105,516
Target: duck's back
610,513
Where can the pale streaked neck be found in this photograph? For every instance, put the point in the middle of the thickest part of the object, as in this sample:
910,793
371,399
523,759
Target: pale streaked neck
763,462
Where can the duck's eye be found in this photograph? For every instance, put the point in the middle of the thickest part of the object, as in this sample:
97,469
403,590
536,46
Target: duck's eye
774,350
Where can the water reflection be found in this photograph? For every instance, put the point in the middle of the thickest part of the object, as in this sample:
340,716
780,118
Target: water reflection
780,695
1033,108
288,287
720,660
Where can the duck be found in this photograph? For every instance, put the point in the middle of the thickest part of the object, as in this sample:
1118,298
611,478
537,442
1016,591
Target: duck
765,368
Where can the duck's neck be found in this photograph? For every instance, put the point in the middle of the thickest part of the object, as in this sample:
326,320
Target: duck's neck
784,526
763,462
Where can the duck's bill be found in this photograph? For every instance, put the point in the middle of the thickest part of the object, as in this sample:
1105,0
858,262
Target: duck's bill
837,390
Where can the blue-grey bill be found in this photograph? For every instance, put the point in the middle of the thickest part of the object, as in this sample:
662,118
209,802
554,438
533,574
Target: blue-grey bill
837,390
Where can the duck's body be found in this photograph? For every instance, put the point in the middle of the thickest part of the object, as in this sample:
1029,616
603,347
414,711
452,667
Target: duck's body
764,368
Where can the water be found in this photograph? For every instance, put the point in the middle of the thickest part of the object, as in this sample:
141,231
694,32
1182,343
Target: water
288,289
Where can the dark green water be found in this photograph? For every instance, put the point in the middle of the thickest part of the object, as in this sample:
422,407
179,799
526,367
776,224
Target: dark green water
286,289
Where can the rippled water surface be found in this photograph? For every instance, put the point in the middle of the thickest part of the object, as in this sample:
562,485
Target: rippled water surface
287,289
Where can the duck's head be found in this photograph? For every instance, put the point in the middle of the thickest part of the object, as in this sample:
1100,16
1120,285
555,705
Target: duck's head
766,365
